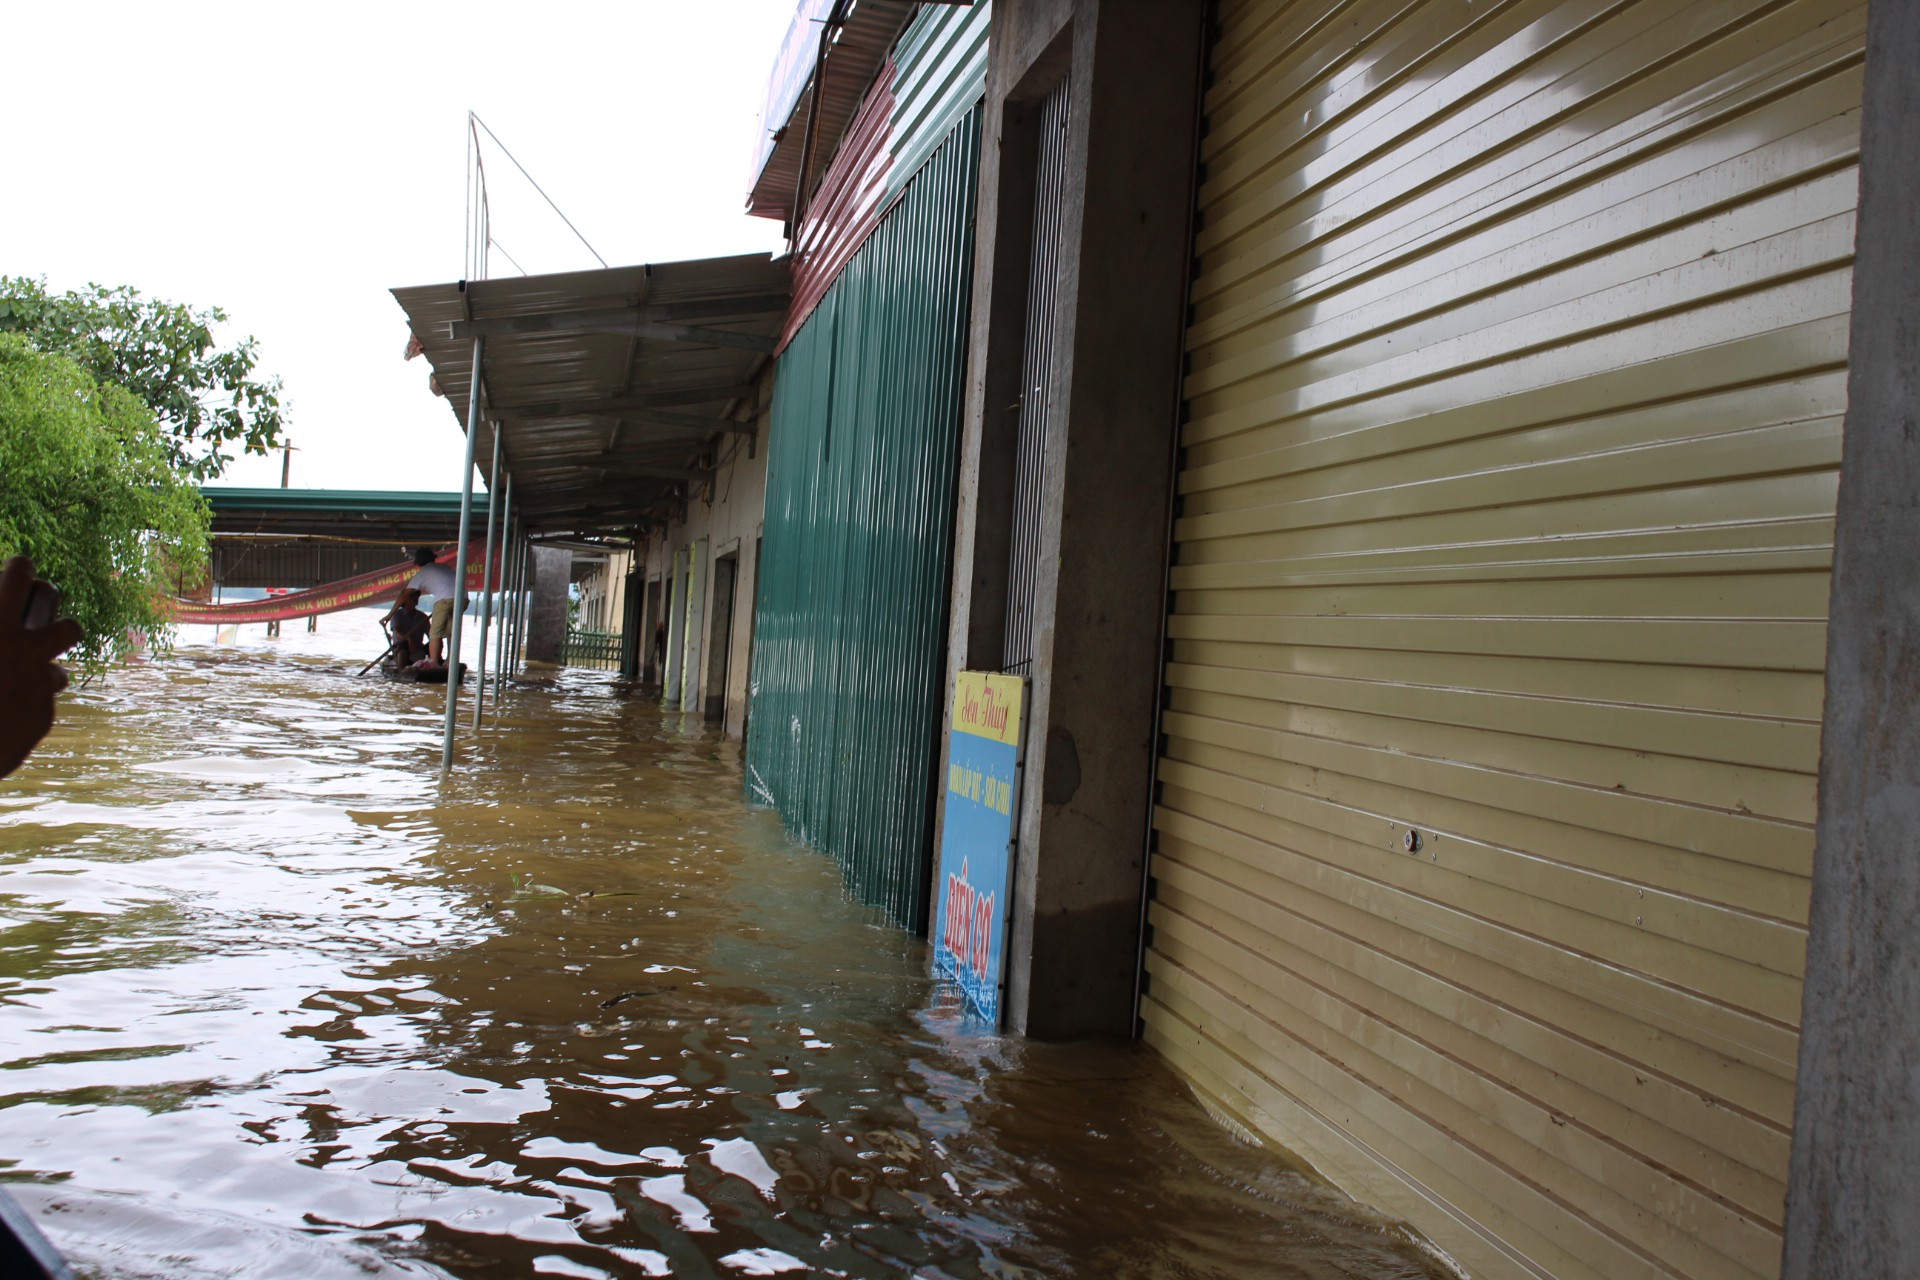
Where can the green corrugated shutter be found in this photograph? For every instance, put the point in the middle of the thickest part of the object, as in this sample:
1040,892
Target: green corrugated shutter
851,616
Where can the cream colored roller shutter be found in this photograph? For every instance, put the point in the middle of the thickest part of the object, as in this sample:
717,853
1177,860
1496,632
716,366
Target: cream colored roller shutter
1516,373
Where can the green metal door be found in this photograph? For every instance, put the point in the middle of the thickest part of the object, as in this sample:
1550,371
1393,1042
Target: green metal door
851,624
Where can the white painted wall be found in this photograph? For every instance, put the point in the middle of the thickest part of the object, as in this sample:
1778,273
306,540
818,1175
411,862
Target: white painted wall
726,517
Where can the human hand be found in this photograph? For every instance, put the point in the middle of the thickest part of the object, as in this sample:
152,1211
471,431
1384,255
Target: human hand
29,676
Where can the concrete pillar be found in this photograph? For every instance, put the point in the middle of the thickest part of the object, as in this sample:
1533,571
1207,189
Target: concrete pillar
1114,395
547,612
740,665
694,642
676,628
1854,1185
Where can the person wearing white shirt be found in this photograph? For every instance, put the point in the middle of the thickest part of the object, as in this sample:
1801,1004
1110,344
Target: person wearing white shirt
435,580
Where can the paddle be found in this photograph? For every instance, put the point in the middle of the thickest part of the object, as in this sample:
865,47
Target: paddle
384,652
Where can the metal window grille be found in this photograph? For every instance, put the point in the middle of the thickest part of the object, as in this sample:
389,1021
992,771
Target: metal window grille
1036,370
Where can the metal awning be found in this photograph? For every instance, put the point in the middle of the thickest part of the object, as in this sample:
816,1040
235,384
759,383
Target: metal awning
611,388
856,51
345,515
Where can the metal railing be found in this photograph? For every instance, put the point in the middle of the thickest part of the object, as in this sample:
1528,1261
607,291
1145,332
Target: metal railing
599,650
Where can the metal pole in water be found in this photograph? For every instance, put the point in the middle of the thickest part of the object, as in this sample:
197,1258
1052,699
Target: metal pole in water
520,603
513,600
486,582
460,564
506,573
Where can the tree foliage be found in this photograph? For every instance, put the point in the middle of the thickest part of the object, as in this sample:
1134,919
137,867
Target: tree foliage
206,397
89,489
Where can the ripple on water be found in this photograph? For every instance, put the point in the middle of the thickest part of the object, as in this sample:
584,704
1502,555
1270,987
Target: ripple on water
273,1002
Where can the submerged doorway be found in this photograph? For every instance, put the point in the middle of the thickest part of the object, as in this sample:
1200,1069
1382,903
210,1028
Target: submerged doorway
726,572
633,640
655,638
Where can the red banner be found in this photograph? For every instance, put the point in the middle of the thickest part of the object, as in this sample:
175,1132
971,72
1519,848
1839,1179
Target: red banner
377,587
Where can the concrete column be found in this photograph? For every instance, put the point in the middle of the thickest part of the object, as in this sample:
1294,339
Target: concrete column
1853,1198
1133,68
676,628
547,612
692,669
740,667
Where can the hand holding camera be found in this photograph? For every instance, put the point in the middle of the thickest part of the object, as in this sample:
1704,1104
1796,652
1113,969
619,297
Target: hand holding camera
32,635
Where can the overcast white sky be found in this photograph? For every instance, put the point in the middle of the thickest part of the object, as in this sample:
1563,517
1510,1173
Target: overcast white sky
291,163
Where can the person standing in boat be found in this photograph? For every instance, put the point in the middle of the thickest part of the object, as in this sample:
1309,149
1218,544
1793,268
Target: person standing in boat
435,580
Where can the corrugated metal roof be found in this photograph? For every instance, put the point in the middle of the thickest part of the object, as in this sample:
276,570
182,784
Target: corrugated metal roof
856,54
609,386
389,517
224,498
787,85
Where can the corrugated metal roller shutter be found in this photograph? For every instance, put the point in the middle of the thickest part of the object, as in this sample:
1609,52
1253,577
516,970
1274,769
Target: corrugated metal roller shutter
851,617
1516,374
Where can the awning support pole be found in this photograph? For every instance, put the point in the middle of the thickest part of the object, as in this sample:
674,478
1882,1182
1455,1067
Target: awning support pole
506,574
519,600
527,570
512,664
460,565
486,582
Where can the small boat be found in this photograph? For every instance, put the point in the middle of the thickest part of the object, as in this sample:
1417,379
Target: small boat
420,675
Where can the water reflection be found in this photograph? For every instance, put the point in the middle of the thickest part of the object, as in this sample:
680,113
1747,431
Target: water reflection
273,1003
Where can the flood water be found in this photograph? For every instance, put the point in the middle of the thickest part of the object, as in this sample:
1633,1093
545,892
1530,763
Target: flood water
275,1003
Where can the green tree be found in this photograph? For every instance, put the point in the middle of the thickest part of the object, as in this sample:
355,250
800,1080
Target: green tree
205,396
89,489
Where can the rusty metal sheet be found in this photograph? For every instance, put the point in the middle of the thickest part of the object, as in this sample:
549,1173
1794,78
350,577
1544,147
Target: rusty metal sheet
936,74
846,208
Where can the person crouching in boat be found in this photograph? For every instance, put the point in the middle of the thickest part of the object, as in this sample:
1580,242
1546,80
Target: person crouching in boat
435,580
408,626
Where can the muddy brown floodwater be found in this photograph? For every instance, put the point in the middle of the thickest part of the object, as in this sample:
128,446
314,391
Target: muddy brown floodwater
273,1003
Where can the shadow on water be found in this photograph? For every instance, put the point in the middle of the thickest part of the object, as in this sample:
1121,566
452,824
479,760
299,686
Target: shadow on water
274,1003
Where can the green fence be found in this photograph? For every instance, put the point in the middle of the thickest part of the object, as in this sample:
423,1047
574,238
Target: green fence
849,640
599,649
